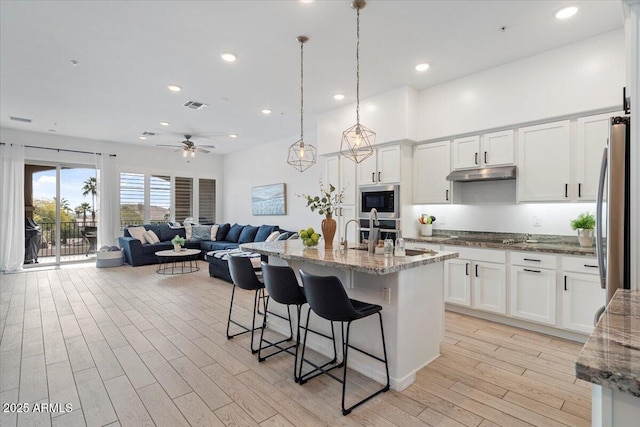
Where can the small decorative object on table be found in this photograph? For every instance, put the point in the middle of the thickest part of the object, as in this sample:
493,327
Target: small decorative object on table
426,224
584,224
177,241
326,204
309,237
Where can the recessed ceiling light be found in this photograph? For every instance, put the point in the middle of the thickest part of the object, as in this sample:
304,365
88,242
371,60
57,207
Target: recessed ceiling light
265,111
233,135
306,1
338,97
52,130
164,123
74,62
142,137
228,56
174,88
422,67
567,12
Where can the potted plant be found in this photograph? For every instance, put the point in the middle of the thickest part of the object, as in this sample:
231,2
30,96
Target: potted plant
584,224
426,224
178,242
326,204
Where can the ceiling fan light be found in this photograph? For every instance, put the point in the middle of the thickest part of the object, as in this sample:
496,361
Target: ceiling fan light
184,153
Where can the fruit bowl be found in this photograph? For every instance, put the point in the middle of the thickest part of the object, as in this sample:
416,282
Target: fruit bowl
309,237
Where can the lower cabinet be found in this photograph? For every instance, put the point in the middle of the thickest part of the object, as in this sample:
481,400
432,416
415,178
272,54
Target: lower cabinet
457,282
489,286
582,295
533,294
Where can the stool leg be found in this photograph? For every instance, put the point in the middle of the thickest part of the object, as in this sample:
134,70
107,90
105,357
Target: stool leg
304,345
384,350
233,292
345,342
264,326
253,321
296,377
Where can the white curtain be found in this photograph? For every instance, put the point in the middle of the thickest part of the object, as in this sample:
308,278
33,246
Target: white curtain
108,227
11,207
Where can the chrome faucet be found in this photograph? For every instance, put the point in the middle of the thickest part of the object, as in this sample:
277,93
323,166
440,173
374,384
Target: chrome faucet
374,230
345,242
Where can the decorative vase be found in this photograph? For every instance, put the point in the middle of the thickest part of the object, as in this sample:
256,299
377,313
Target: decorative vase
328,231
177,247
585,237
426,230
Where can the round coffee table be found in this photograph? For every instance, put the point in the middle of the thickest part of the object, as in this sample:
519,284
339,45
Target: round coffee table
171,262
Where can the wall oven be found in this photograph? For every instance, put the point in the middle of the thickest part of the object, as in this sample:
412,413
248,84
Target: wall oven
384,198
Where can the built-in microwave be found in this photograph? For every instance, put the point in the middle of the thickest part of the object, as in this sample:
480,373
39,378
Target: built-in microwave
384,198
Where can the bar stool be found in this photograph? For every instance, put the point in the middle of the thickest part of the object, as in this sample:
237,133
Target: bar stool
328,299
282,285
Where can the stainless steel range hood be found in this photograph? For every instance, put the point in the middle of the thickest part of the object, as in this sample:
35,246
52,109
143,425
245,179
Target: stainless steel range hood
483,174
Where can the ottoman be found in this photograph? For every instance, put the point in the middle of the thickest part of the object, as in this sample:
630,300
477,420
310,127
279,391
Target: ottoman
219,266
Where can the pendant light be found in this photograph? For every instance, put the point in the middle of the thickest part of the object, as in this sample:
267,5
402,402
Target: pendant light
301,155
357,141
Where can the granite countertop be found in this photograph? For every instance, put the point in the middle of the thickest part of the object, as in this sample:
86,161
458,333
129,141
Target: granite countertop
352,259
611,356
566,245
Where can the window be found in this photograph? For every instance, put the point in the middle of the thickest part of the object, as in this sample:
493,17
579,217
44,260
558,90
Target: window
159,199
183,198
207,201
131,198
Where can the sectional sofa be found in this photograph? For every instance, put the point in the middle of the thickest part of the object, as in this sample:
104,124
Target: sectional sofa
227,236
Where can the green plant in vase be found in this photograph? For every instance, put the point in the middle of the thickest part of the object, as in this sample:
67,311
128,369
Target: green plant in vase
326,204
178,242
584,225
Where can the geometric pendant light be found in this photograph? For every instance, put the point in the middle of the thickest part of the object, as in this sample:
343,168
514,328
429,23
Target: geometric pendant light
357,141
301,155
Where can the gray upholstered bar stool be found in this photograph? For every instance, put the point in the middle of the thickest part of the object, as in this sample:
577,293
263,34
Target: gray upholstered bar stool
328,299
283,287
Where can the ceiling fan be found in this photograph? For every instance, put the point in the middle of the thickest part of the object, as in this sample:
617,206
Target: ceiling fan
188,147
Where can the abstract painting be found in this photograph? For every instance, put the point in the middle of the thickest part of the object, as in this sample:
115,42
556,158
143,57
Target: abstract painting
269,200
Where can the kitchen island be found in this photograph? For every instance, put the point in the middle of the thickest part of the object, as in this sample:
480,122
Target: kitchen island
409,288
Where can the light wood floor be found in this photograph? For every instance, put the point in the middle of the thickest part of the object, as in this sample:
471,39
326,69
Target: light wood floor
126,346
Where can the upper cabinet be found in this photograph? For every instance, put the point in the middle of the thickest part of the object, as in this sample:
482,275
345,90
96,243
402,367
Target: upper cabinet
341,172
391,115
493,149
382,167
431,165
592,137
544,159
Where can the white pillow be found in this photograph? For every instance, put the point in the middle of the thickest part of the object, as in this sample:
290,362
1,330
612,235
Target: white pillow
151,237
214,231
273,236
188,228
138,233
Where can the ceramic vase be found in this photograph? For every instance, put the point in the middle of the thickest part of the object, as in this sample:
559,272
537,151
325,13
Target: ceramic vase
177,247
328,231
426,229
585,237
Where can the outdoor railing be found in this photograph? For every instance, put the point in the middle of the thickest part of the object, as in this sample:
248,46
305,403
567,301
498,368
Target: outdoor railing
72,242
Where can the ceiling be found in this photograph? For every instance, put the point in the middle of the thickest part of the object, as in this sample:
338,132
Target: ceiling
129,51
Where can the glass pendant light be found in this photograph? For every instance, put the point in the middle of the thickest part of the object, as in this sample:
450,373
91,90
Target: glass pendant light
357,141
301,155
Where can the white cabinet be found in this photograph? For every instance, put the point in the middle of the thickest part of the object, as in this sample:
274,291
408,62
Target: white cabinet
341,172
593,134
457,282
382,167
533,287
344,214
465,152
582,295
489,287
497,148
431,165
544,159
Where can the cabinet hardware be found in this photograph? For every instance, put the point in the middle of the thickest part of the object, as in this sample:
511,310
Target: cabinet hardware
373,177
591,266
447,195
531,259
532,271
475,158
566,190
579,190
485,157
379,178
477,270
565,282
466,269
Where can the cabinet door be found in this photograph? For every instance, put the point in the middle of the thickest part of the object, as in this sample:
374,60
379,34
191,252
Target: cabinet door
345,214
544,162
533,294
388,159
457,282
581,298
593,133
497,148
431,165
367,171
489,287
466,152
348,180
332,170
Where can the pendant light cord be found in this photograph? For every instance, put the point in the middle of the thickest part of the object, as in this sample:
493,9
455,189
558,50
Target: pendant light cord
358,67
302,94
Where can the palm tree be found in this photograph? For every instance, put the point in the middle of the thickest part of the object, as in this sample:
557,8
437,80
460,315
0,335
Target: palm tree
64,204
82,210
91,187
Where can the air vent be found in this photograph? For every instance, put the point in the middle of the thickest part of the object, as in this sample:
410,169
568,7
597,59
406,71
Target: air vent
195,105
149,133
20,119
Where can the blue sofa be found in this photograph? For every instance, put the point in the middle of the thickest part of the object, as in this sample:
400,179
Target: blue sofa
228,236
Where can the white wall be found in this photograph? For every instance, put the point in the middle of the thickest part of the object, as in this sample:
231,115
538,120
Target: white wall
581,77
267,164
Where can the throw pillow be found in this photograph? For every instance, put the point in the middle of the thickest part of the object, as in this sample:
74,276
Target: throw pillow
200,232
234,233
214,232
248,234
151,237
138,233
188,228
284,235
294,236
223,229
264,231
273,236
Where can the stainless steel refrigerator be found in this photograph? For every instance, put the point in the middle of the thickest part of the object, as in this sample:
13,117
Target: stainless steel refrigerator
613,249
